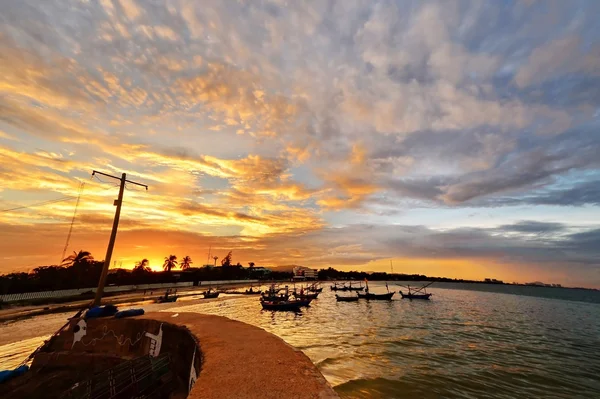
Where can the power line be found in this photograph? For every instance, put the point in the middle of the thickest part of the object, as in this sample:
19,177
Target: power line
72,221
38,204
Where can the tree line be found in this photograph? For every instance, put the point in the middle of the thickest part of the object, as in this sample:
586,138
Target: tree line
333,274
81,270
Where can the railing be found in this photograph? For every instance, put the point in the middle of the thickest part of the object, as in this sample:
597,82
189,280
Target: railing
26,296
140,378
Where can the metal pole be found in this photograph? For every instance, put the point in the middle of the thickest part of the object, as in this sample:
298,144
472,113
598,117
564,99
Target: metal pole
111,243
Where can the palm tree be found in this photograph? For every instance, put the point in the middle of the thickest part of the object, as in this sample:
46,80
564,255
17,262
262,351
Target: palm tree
77,258
170,262
251,264
142,266
215,258
186,262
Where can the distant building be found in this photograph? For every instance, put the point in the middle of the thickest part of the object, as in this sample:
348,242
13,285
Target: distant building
304,273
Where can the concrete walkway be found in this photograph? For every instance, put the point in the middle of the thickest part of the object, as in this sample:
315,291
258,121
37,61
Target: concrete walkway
243,361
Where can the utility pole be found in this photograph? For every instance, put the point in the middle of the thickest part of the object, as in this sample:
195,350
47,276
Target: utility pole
113,235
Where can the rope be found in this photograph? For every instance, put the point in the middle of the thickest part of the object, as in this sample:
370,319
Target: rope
72,221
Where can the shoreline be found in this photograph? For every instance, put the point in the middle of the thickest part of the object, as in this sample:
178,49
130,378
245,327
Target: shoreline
20,312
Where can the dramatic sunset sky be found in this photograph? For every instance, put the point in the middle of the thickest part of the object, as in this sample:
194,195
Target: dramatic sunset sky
457,138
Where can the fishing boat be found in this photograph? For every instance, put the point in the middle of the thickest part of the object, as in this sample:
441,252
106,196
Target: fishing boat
335,287
166,298
416,293
210,294
280,305
376,297
252,291
314,288
381,297
272,294
346,298
360,288
306,296
162,299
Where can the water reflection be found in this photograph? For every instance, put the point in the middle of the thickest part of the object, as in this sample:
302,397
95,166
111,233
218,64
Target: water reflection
460,344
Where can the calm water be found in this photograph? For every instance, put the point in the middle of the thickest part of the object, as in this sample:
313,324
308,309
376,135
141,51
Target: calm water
461,344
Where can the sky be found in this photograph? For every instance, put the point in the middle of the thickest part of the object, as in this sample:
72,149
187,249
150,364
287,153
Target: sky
448,138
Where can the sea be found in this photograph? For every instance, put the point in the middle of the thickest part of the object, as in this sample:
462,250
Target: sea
468,341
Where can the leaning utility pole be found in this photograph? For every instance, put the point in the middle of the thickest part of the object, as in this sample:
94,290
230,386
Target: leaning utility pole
113,235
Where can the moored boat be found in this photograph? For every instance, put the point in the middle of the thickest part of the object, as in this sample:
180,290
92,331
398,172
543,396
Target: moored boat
416,293
314,288
252,291
414,296
359,288
210,294
166,298
162,299
305,294
280,305
381,297
272,294
377,297
336,287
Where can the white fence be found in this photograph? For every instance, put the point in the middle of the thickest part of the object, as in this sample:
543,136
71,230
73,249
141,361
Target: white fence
112,288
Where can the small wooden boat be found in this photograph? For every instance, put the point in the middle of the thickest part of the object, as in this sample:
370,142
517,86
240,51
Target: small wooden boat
335,287
252,292
303,302
360,288
377,297
415,296
315,289
416,293
274,297
346,298
210,294
303,295
165,299
281,305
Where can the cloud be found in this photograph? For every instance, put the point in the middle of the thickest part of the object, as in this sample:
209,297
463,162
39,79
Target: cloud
262,121
561,56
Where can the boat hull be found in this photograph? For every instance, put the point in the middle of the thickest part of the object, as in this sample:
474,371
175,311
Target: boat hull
415,296
210,295
274,298
307,296
165,300
377,297
280,305
346,298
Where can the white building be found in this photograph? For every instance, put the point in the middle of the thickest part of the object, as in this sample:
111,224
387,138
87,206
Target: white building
304,273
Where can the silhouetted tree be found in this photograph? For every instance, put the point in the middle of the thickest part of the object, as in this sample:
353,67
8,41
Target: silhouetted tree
142,266
170,263
77,258
251,264
186,263
226,261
